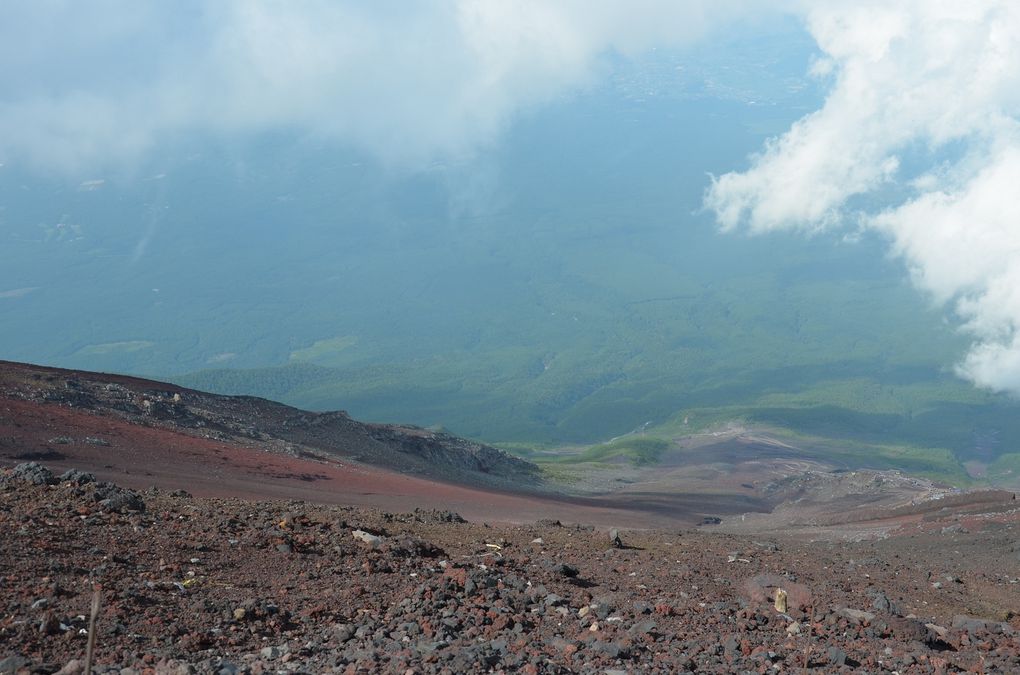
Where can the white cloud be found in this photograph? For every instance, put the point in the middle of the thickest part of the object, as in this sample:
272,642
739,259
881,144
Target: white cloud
924,104
405,81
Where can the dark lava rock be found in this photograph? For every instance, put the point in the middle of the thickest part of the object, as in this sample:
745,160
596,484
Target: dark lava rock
77,477
975,625
437,516
404,546
882,603
34,473
568,571
117,499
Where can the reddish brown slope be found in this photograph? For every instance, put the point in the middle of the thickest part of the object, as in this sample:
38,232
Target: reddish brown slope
234,447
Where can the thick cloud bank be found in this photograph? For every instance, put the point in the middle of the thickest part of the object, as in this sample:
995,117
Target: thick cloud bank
407,82
924,105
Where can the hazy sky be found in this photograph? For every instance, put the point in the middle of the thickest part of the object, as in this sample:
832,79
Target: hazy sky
918,137
406,81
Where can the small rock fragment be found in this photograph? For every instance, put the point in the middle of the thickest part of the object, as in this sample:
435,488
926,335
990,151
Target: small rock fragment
780,600
856,615
72,667
975,625
568,571
368,538
837,657
271,653
76,477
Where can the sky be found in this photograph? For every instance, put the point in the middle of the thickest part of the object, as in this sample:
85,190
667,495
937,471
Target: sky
917,138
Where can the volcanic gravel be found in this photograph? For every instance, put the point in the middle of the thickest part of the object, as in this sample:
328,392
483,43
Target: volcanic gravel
232,586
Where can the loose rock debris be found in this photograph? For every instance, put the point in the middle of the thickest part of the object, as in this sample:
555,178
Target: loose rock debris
232,586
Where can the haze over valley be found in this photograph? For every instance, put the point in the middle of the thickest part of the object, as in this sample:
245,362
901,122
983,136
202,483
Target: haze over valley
563,265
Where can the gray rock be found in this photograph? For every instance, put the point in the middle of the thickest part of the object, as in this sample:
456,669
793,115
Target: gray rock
13,663
273,652
602,607
857,615
882,603
77,477
344,632
836,656
117,499
34,473
975,625
647,627
553,600
372,540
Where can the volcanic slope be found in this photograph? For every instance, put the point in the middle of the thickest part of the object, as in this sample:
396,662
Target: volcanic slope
142,433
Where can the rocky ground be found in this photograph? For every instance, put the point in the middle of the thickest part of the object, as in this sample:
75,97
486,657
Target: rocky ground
232,586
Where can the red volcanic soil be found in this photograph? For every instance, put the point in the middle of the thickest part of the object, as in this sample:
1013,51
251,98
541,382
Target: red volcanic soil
140,452
140,457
